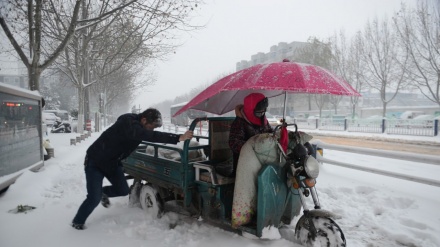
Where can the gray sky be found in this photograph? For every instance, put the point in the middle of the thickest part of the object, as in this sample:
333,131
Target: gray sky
237,29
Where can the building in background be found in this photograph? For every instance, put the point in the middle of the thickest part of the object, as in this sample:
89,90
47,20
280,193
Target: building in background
276,54
12,70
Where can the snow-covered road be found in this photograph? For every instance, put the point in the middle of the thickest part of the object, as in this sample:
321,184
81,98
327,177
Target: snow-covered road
375,210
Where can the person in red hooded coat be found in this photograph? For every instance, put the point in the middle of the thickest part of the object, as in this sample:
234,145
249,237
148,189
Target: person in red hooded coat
250,120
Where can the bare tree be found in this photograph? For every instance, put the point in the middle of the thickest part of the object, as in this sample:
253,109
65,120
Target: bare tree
316,53
121,44
419,32
75,60
25,35
321,100
381,55
356,69
24,23
347,63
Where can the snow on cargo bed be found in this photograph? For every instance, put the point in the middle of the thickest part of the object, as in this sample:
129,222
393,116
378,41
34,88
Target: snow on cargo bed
193,155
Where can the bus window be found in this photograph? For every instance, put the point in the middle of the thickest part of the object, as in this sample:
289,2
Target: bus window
185,118
20,130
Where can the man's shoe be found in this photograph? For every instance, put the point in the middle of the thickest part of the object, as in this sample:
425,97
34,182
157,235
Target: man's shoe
78,226
105,201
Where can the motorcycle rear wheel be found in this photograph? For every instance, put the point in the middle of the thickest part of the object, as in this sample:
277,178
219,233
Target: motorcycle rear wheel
328,233
134,195
151,202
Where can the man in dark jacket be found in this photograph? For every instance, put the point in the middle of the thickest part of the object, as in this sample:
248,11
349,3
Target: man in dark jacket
103,158
250,120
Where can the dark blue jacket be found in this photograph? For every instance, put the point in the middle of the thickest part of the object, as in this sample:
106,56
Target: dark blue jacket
122,138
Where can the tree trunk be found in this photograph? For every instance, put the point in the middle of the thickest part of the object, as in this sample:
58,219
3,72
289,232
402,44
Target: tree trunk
310,102
34,78
354,101
80,110
384,105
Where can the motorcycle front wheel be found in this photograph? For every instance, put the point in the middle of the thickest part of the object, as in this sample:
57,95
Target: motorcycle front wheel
326,233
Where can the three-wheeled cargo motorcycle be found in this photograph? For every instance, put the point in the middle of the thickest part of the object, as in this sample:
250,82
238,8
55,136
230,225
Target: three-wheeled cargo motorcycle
188,179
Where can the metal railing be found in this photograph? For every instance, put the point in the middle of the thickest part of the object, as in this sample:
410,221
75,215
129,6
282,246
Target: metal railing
419,158
393,126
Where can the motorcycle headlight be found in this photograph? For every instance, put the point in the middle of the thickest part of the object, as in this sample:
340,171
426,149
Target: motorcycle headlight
311,167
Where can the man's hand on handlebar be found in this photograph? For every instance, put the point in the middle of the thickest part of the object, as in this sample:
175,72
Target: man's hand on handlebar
187,135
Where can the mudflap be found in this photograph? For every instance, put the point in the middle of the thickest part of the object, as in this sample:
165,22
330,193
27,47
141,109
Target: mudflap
276,206
287,232
216,201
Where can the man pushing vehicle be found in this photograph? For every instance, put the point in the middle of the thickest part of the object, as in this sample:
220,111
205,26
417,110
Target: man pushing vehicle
103,158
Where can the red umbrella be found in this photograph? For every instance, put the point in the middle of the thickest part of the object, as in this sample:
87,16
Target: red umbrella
271,80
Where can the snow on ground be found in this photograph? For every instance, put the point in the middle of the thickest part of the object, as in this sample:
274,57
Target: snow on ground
375,210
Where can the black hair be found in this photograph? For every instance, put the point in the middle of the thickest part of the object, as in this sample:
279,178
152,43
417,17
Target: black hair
152,115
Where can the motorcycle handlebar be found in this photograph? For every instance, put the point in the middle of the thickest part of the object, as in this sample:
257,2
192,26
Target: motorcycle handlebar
286,125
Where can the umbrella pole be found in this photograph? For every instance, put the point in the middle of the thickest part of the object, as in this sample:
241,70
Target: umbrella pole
285,102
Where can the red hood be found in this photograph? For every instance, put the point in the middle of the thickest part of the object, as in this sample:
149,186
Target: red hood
249,105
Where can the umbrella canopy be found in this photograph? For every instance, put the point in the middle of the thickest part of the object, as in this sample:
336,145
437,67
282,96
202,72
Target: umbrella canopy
271,80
